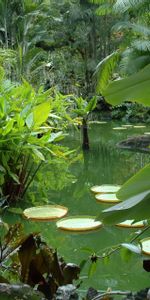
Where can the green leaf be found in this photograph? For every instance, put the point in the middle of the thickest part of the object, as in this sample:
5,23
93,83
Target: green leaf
14,177
15,210
8,127
135,194
38,154
41,113
132,247
92,269
55,136
134,88
105,69
138,183
29,120
91,105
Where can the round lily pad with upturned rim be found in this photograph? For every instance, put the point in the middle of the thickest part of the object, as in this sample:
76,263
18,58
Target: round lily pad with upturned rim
45,212
119,128
127,125
131,224
139,126
79,223
107,198
105,188
145,244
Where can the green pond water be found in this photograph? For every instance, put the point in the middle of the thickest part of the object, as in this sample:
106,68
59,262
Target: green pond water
103,164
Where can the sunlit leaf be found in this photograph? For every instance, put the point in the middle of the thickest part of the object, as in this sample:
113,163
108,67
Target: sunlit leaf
132,248
134,88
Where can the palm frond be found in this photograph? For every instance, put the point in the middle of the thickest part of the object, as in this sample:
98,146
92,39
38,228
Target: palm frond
132,62
104,9
105,69
141,45
135,27
122,6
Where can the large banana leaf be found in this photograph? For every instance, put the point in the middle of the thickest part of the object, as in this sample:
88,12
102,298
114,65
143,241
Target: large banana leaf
135,194
134,88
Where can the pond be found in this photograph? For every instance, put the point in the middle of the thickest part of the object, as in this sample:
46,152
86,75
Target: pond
104,163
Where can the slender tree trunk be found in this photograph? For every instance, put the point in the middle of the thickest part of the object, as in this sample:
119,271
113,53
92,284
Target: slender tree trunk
85,144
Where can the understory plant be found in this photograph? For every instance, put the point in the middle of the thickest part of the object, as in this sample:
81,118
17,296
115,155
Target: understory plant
27,259
31,126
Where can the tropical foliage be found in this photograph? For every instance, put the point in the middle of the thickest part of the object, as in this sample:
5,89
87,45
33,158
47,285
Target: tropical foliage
30,134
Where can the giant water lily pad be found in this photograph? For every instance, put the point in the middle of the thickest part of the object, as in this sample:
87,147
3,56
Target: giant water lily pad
131,224
127,125
139,126
45,212
79,223
107,198
145,244
119,128
105,188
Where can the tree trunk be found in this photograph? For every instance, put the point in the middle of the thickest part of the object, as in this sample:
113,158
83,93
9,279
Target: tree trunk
85,144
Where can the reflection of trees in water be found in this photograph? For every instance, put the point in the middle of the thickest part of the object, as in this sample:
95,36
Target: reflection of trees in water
104,164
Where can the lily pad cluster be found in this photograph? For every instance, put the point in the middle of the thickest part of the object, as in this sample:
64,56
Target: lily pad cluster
54,212
128,126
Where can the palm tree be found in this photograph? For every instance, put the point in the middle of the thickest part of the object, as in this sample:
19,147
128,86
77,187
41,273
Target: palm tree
133,32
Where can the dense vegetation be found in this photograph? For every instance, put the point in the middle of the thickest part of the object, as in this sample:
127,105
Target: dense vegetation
59,61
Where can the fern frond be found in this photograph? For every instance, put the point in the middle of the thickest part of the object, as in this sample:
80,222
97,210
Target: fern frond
105,69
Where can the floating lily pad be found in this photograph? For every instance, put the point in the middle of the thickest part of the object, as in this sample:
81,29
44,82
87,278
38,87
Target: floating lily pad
130,224
45,212
107,198
145,244
139,126
119,128
97,122
105,188
79,223
127,125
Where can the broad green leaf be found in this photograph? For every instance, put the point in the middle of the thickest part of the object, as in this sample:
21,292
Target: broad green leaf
132,247
133,208
80,112
91,105
105,69
29,120
38,154
92,269
55,136
137,184
135,194
8,127
41,113
134,88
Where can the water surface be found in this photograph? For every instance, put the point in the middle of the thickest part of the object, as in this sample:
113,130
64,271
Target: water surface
103,164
